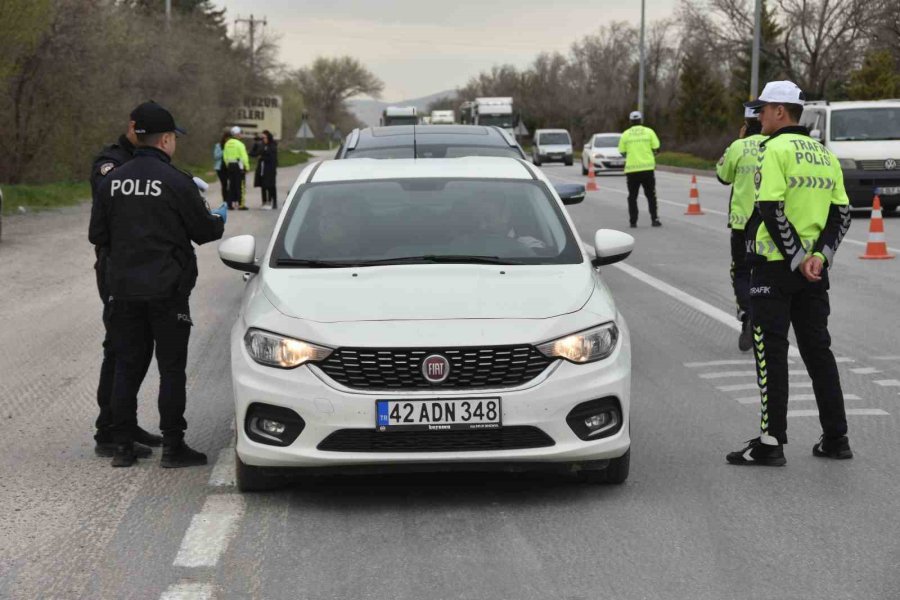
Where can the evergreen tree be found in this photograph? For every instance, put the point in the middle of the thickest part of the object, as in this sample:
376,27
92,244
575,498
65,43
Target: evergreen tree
769,65
877,78
703,104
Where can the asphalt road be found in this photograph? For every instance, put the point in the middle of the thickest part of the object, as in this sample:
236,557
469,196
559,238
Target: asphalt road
685,525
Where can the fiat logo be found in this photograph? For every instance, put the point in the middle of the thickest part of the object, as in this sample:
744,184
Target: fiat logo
890,164
436,368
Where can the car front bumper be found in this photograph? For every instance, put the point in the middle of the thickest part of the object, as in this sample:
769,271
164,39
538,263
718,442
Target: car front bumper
326,407
862,186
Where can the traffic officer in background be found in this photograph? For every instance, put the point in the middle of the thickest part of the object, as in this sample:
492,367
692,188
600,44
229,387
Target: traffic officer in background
147,213
639,146
111,157
236,160
801,215
736,168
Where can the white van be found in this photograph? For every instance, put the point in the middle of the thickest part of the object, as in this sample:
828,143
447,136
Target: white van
865,136
552,145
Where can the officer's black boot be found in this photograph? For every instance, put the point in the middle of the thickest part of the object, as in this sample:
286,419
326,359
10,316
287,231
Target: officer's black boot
758,454
108,449
655,222
148,439
836,448
124,455
178,454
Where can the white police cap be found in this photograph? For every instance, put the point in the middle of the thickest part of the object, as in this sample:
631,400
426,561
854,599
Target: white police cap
635,116
778,92
235,130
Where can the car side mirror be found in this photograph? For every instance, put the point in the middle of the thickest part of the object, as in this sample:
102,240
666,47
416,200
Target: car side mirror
611,247
816,134
239,253
570,193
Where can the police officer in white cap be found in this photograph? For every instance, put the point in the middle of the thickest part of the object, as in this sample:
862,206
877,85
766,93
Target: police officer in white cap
236,161
639,146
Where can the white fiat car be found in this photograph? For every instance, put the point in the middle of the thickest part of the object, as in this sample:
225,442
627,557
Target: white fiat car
428,315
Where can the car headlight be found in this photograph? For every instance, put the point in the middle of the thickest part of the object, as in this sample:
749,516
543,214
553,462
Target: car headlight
276,350
847,163
584,347
599,155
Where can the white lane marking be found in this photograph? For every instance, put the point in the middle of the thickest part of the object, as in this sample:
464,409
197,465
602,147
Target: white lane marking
724,363
752,386
697,304
852,412
188,591
885,357
865,370
844,359
724,374
210,531
888,382
223,474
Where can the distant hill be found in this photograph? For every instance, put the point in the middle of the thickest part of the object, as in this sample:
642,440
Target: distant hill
369,111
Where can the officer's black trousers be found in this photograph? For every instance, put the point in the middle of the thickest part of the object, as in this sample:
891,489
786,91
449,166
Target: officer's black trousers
107,376
223,181
740,273
236,183
647,180
167,324
780,298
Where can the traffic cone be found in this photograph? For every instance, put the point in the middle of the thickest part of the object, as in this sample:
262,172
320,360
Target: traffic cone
876,247
592,182
694,205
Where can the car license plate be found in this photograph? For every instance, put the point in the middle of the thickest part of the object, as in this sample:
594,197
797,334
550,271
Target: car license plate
617,163
887,191
438,414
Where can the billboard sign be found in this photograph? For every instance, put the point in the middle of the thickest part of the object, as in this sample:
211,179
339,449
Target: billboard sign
258,113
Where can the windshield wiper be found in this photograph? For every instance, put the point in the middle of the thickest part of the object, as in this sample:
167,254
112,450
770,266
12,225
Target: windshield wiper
440,258
313,264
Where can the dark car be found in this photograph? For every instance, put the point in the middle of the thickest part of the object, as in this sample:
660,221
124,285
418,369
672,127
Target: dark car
429,141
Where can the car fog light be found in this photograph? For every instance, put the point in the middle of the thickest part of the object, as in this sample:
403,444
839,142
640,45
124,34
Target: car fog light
271,427
596,419
598,423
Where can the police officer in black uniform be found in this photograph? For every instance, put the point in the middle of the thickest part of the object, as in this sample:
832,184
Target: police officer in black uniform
111,157
147,213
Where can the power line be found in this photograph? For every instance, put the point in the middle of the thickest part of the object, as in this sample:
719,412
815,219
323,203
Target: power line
252,23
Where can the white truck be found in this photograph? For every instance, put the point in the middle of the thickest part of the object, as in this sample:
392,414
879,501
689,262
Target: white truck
443,117
399,115
490,111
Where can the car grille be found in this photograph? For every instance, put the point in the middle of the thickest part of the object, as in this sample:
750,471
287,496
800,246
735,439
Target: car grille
876,165
470,368
370,440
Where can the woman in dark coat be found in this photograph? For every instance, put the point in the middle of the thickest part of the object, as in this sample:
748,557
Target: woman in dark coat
266,149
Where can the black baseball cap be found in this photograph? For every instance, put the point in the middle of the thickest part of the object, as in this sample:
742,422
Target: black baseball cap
150,117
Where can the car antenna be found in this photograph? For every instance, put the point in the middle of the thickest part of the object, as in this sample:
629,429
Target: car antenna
415,149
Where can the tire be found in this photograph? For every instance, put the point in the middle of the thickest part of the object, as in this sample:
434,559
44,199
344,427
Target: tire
890,210
584,170
536,161
570,162
254,479
615,473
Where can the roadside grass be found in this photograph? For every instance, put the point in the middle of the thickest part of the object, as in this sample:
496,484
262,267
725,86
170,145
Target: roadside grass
44,196
685,160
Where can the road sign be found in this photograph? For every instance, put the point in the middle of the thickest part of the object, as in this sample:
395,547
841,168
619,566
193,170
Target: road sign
257,113
521,129
305,133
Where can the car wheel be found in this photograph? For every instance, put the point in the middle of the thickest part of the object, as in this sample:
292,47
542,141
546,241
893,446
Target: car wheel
890,210
254,479
569,162
615,473
584,170
536,161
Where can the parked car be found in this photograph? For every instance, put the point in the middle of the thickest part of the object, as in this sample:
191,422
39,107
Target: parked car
428,315
603,149
865,136
429,141
552,145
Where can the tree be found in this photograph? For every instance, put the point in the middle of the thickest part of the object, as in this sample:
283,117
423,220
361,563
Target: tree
877,78
328,83
702,98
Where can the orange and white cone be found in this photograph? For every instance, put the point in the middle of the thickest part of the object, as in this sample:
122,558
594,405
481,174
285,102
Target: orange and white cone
876,247
592,182
694,204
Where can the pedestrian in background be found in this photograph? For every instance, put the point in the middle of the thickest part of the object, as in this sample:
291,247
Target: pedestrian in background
800,217
266,150
149,213
639,146
234,155
736,168
219,165
110,158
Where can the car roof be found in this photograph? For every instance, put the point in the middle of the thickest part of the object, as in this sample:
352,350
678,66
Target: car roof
469,167
402,135
858,104
551,131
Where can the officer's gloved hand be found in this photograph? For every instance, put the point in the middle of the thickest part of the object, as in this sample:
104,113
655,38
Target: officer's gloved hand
221,212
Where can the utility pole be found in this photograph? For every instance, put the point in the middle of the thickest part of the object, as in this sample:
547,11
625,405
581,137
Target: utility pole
168,13
252,24
641,75
757,34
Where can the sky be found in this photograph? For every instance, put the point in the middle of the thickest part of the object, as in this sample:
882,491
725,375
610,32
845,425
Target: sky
420,47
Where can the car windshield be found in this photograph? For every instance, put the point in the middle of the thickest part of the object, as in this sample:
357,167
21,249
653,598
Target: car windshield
412,221
865,124
498,120
547,139
606,141
433,151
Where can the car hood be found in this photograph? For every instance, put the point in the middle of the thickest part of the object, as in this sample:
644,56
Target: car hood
610,152
428,292
866,150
